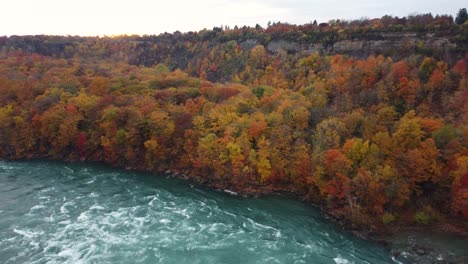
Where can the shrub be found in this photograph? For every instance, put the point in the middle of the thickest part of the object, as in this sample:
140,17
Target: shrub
426,215
388,218
422,217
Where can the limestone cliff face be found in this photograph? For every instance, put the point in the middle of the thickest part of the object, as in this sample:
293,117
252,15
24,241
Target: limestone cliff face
384,43
394,42
278,45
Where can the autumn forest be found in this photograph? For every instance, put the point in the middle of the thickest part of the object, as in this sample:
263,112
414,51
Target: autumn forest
378,136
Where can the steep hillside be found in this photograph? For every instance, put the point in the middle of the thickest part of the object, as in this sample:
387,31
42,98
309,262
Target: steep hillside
379,140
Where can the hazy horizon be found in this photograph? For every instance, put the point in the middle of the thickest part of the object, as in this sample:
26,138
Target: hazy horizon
146,17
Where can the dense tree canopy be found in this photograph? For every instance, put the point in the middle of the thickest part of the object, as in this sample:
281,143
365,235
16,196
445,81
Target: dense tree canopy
367,137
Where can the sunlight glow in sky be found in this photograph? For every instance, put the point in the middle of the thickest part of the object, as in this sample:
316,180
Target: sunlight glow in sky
115,17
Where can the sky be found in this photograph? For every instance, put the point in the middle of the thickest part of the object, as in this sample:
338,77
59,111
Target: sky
117,17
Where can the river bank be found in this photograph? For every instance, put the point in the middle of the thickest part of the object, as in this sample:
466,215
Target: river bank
407,244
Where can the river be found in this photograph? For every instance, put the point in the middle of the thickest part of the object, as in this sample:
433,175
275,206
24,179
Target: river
52,212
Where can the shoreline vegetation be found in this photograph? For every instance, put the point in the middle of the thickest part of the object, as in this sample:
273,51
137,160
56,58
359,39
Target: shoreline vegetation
375,135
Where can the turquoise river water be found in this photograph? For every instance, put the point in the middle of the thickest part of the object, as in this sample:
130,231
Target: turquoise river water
53,212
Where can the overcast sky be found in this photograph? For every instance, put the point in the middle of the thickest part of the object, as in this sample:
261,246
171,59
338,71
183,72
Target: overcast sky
114,17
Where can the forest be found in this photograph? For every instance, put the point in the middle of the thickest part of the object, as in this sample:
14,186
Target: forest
378,137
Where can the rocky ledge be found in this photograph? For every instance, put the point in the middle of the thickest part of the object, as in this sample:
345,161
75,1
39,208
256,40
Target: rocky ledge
423,254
